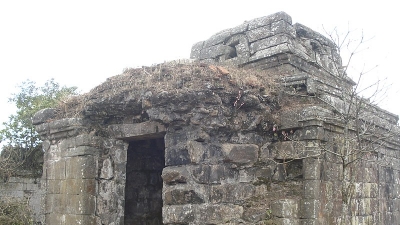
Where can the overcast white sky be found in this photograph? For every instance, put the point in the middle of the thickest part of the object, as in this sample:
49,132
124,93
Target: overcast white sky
81,43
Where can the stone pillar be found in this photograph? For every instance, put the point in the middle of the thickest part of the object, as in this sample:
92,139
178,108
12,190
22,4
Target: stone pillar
69,170
110,205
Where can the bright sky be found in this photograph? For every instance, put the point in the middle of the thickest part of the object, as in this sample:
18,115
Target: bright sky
81,43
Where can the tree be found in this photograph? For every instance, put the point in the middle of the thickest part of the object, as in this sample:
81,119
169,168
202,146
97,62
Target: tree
359,134
365,137
21,146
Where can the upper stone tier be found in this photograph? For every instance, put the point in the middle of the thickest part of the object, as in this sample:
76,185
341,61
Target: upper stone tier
268,42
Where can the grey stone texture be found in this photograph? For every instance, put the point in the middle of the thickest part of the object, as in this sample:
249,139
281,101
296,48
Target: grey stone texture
24,189
196,157
269,37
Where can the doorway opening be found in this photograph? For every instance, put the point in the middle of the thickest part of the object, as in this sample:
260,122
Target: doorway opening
143,188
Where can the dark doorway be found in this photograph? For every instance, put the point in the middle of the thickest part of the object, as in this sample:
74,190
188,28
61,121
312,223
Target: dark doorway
143,189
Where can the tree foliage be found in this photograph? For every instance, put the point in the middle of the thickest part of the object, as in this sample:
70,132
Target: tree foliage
21,146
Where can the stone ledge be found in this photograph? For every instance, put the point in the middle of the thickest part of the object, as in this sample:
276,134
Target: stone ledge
145,130
43,116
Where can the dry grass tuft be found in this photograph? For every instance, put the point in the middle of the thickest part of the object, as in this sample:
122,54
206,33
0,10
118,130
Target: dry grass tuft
172,78
15,212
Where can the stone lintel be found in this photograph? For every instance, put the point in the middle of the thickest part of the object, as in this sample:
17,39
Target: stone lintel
58,129
311,122
137,131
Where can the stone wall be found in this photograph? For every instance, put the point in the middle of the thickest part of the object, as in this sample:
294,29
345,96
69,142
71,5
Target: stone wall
192,144
26,190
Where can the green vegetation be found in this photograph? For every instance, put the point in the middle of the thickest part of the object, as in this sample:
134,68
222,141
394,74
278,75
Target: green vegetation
21,146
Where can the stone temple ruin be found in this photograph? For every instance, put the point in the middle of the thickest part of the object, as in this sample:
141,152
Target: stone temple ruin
247,132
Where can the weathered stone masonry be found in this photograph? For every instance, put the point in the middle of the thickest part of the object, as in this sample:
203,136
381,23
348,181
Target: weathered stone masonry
213,154
24,189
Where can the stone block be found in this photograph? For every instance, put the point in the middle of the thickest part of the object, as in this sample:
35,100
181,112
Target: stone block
43,116
246,176
179,214
16,180
310,133
256,175
55,203
118,151
275,50
218,214
331,171
264,63
231,193
78,186
265,152
328,190
388,218
364,207
14,186
288,208
239,29
370,175
7,194
216,50
80,219
120,173
248,138
381,175
181,197
54,186
31,184
42,129
55,218
107,200
286,221
263,21
175,175
312,169
366,190
373,202
283,150
55,170
197,151
196,49
54,153
107,170
309,208
310,222
218,38
240,153
63,126
396,215
213,174
88,140
312,189
81,140
175,156
305,32
255,214
148,129
361,220
81,167
396,191
80,151
271,30
269,42
82,204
